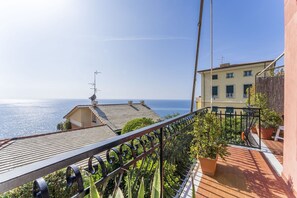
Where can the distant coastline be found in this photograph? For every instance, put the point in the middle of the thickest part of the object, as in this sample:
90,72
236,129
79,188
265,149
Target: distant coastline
30,117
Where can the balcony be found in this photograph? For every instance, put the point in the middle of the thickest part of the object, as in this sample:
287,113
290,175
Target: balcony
166,144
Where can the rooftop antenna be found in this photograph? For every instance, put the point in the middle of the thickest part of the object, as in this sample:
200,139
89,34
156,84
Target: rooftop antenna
222,59
94,84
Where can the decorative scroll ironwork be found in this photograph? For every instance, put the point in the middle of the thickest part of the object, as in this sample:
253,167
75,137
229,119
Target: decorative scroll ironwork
93,169
74,178
40,189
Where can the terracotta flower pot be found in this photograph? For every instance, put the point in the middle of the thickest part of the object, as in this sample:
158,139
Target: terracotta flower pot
208,165
266,133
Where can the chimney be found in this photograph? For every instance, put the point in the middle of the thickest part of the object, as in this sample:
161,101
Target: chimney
142,102
130,102
225,65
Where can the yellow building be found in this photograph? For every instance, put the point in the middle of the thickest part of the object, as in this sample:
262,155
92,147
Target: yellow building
228,84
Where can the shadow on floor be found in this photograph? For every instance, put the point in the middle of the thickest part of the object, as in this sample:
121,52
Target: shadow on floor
245,173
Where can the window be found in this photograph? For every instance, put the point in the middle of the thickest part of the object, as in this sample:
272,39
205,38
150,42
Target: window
247,73
214,91
229,91
215,76
215,109
229,75
245,90
229,110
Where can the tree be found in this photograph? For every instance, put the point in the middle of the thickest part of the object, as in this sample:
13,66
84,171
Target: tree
136,123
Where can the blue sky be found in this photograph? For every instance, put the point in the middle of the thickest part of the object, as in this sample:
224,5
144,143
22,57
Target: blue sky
144,49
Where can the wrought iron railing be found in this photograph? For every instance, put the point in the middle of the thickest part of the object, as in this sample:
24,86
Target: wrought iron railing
164,144
238,125
136,154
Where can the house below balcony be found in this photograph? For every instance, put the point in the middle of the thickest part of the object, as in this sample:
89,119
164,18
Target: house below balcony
114,116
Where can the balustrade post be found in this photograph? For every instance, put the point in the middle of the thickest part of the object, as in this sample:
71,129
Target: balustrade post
260,132
161,161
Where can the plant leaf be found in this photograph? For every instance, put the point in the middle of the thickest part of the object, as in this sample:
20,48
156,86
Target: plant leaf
93,190
129,185
156,187
141,189
119,193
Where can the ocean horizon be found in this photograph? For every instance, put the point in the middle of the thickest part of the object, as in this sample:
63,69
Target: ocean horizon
32,116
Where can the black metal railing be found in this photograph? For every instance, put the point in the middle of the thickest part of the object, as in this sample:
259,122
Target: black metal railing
134,155
138,153
238,123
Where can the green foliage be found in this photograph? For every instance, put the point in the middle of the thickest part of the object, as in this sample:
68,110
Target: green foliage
269,117
207,137
56,184
232,127
141,189
60,126
136,123
171,116
64,126
93,190
257,99
129,185
156,187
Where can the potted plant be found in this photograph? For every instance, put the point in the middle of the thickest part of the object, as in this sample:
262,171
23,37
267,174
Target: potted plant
207,143
270,120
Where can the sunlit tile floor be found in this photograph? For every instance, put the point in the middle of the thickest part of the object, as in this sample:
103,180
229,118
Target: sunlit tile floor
276,147
245,173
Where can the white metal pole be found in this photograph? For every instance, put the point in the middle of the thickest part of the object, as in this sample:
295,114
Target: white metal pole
211,50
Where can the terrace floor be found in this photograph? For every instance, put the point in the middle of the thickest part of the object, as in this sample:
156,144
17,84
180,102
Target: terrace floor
245,173
276,148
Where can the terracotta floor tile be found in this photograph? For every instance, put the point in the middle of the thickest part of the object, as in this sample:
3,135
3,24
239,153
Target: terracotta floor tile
276,147
245,173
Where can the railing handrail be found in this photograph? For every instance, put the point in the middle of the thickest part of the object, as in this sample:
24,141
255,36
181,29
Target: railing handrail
30,172
266,68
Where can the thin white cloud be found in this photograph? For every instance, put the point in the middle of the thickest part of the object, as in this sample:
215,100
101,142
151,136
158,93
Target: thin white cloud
147,38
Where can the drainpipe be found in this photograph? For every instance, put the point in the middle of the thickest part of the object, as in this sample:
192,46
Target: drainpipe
204,90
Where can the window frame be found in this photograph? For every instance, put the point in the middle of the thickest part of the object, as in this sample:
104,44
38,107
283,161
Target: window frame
247,73
229,110
230,75
215,109
245,94
217,77
233,94
215,96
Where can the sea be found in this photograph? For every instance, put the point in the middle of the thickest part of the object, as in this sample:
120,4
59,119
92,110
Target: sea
29,117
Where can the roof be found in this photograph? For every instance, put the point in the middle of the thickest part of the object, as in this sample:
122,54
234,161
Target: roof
117,115
235,65
27,150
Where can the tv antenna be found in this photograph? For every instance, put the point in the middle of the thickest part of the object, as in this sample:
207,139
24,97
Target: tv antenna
222,59
94,84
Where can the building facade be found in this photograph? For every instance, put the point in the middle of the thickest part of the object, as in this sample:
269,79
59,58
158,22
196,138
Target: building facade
228,85
290,134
